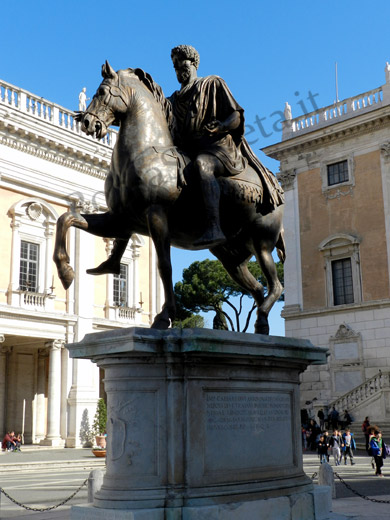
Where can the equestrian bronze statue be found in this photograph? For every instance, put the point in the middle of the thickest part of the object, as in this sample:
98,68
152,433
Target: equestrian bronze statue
183,174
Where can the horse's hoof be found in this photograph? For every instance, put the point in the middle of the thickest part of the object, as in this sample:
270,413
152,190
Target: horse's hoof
105,268
66,276
161,324
262,330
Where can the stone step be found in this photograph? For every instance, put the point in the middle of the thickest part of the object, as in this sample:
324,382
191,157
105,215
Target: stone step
5,468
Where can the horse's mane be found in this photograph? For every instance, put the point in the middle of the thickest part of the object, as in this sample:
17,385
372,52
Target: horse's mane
158,94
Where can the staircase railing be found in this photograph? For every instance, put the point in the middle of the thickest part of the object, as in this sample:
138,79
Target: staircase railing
363,392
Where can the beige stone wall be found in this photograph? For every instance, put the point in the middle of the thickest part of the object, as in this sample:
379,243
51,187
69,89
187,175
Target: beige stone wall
7,199
360,213
100,282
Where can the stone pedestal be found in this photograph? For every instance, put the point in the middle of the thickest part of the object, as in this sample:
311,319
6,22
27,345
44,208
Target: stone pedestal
202,424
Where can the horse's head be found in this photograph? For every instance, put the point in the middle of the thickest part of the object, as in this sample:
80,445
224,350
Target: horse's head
106,106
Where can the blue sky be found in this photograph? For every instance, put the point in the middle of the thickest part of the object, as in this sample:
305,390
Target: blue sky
268,53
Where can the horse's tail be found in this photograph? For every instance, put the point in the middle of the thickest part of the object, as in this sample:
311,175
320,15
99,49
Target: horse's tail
281,247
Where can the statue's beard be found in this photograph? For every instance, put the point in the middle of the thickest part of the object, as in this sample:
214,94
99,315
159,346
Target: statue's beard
184,74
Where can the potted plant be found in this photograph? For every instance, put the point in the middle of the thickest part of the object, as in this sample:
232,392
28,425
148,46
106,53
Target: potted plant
99,423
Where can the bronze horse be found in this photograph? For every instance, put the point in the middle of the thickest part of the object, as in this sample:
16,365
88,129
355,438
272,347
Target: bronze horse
148,193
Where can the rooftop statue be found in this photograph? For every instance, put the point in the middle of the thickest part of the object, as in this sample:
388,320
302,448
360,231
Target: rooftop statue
182,173
83,100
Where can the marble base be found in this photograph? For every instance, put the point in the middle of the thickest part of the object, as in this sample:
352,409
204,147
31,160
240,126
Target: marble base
57,442
202,424
315,505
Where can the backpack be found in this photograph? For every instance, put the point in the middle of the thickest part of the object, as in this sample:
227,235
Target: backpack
386,450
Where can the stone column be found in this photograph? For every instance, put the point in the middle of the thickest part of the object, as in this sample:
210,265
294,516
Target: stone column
53,435
135,295
40,411
3,376
65,387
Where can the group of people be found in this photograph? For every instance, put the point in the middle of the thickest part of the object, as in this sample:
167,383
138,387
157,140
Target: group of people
11,442
342,445
334,419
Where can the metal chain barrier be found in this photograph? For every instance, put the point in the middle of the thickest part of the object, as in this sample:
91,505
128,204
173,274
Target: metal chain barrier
44,508
360,494
314,476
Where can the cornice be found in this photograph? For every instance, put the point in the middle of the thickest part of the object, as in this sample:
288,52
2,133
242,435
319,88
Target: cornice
34,316
56,145
341,131
293,312
51,154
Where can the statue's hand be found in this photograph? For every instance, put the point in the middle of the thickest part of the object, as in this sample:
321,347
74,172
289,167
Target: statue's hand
214,127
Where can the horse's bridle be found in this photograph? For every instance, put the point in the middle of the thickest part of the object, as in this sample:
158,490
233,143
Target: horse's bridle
114,91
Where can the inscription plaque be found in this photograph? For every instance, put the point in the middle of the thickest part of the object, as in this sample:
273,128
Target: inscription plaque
346,351
245,430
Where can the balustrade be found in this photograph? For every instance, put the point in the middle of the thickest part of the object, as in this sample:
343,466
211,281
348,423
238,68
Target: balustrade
328,115
45,110
126,313
35,299
359,394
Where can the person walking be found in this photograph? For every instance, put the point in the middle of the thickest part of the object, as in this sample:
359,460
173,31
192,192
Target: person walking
349,445
347,418
334,418
365,430
376,446
321,418
336,442
323,449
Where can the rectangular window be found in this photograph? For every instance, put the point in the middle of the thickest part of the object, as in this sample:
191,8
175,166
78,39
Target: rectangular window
120,287
342,281
337,173
29,265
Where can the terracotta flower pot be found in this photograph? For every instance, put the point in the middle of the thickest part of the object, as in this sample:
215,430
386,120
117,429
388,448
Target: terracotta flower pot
100,441
99,453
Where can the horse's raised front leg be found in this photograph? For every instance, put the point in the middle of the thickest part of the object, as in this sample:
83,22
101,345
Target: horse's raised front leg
61,257
113,263
98,224
158,228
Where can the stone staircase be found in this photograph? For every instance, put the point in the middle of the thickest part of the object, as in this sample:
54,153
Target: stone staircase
372,399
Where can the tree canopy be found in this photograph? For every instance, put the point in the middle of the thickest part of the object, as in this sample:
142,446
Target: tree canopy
206,286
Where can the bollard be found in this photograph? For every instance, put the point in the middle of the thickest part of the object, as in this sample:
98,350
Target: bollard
326,477
95,481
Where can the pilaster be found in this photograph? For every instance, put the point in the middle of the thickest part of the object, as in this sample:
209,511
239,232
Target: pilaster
53,436
4,351
40,408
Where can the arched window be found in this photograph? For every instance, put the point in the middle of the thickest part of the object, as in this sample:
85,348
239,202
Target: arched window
342,269
33,227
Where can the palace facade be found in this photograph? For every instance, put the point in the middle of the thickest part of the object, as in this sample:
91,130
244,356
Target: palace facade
48,166
335,169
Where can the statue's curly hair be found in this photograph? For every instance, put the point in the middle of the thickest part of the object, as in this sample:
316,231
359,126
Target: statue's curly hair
187,52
